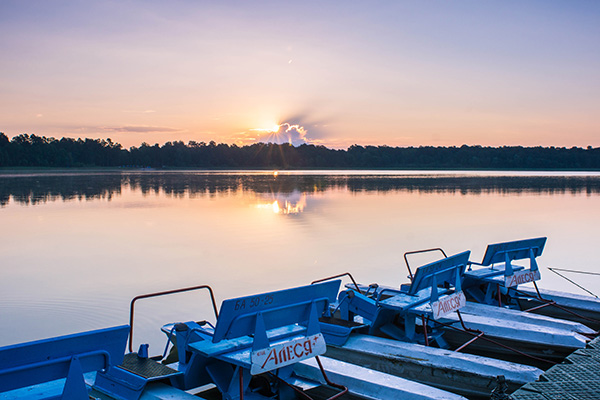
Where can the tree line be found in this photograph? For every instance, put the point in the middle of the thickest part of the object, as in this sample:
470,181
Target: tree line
38,151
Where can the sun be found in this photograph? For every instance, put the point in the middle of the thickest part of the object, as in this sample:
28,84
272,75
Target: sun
274,128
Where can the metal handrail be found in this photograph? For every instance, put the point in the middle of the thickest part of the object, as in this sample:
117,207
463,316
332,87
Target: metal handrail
338,276
343,388
420,251
157,294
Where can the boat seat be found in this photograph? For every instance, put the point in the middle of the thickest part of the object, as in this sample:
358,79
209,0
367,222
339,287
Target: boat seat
496,268
250,327
418,302
492,274
238,351
431,283
33,363
337,330
447,271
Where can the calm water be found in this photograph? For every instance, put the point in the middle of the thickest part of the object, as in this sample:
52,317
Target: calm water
76,248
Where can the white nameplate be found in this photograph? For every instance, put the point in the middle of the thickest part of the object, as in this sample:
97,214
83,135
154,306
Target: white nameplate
521,277
448,304
287,353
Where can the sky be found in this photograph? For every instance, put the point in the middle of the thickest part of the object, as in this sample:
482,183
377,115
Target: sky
333,73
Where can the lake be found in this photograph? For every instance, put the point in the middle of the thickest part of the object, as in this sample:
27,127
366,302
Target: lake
78,246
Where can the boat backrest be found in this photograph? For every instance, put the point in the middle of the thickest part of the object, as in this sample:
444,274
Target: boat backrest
447,271
32,363
254,315
515,250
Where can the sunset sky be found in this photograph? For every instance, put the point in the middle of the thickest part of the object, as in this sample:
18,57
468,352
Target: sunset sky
399,73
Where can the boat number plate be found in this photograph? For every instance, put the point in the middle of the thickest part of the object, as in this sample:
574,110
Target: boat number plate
448,304
287,353
521,277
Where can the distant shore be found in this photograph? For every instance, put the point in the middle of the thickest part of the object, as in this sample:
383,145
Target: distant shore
22,171
31,151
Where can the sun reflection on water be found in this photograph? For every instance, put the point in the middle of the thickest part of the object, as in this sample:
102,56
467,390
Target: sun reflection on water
285,204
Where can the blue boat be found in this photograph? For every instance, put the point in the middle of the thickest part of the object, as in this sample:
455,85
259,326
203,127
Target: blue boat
317,342
264,346
496,280
405,332
423,329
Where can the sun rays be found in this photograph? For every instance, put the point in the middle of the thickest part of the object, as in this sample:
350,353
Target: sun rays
286,132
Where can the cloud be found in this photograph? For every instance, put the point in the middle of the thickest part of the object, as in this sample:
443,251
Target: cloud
139,129
285,133
306,127
292,134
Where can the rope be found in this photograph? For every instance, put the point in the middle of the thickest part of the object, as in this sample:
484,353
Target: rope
574,271
497,343
552,303
574,283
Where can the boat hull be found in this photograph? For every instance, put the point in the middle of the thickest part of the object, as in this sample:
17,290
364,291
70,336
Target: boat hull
529,353
573,307
465,374
370,383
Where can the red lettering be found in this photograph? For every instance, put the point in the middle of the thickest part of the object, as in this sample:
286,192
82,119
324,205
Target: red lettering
282,355
272,356
308,347
296,351
522,277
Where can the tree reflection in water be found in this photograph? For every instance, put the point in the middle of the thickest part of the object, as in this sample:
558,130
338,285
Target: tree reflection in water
285,189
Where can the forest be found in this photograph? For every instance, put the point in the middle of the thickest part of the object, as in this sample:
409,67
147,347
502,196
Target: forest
38,151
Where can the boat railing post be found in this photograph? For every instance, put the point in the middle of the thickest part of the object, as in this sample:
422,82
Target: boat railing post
164,293
418,252
339,276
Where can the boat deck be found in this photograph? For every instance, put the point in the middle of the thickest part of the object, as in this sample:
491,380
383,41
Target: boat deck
576,378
